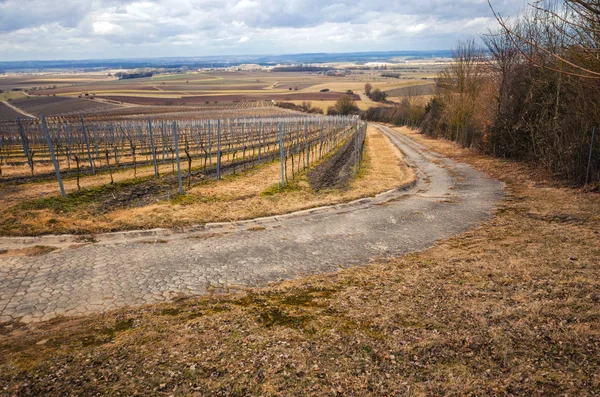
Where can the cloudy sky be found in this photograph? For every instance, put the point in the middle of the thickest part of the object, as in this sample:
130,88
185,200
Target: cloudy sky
84,29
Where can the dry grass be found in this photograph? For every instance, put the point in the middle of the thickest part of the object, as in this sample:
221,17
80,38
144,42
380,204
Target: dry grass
10,95
324,105
37,250
420,100
366,103
344,85
13,194
234,198
510,308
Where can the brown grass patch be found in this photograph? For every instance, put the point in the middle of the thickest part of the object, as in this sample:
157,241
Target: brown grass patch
324,105
37,250
344,85
13,194
510,308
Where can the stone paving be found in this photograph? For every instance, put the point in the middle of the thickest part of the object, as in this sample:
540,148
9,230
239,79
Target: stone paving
157,266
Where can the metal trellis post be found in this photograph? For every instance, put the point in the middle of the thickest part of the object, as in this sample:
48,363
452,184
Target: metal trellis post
176,138
54,161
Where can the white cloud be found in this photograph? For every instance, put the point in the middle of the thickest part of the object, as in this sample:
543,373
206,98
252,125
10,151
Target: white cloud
39,29
417,28
106,28
246,4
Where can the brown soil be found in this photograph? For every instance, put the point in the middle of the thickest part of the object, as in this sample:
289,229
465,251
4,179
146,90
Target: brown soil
103,86
336,171
53,106
8,113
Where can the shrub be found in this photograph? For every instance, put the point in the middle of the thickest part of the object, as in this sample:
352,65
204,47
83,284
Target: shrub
377,95
344,106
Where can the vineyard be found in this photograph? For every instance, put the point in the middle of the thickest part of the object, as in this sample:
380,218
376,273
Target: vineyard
195,149
51,106
124,109
225,110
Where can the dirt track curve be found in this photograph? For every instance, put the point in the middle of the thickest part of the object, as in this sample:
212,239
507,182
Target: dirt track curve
145,267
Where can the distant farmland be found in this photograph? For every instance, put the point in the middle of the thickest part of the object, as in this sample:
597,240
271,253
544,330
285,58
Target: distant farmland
214,94
7,113
59,106
203,99
425,89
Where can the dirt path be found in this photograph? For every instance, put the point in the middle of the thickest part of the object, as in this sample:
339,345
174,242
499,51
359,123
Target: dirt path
369,102
16,109
145,267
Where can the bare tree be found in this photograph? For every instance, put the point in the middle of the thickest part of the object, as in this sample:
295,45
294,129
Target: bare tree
460,86
576,23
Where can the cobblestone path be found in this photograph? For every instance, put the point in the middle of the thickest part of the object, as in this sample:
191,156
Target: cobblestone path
153,266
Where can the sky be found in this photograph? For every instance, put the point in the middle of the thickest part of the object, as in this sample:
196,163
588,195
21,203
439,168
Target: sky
102,29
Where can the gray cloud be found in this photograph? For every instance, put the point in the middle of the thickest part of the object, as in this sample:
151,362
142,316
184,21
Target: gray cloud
46,29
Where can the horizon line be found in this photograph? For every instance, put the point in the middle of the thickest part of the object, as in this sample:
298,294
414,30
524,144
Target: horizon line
226,56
